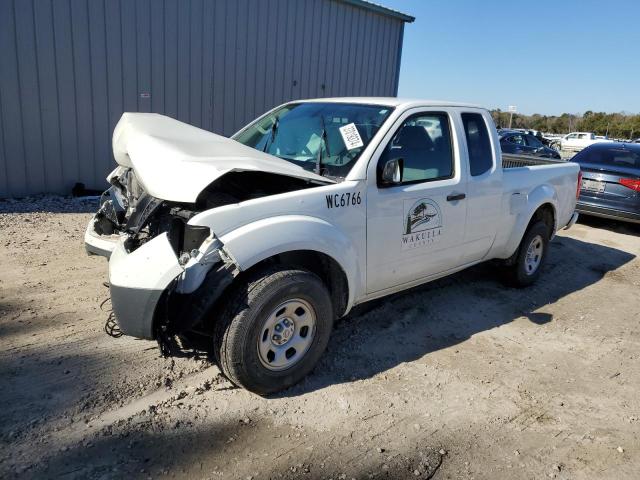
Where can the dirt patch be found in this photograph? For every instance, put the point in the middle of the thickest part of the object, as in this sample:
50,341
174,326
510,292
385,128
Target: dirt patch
459,378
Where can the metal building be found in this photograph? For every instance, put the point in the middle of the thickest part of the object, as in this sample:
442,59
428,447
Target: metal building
69,68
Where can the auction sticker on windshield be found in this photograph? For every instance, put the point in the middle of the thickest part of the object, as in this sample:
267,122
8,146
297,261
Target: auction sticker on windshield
351,136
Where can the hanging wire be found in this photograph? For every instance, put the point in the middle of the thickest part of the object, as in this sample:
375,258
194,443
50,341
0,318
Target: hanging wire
111,326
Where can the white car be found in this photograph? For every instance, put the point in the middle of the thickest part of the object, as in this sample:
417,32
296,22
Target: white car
261,241
576,141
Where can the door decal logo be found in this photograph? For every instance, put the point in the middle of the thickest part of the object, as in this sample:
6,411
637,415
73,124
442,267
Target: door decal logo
422,223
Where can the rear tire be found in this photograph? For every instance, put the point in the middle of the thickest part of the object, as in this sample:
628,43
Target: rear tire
273,330
530,257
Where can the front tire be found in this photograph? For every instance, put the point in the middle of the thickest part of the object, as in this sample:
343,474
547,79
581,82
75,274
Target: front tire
274,329
530,256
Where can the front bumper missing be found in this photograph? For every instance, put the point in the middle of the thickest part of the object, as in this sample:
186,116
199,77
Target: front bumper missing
153,296
154,293
137,281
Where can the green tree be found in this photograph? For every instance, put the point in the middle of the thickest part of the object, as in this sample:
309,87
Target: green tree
615,125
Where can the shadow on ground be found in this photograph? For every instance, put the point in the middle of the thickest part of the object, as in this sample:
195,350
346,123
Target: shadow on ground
374,338
383,333
15,320
401,328
149,448
624,228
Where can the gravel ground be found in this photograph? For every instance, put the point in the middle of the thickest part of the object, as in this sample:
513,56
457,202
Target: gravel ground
567,155
462,378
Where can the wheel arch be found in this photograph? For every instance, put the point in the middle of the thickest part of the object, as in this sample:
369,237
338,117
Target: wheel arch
542,205
324,266
547,214
307,242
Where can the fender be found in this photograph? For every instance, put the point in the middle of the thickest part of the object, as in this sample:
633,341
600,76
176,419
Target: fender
524,213
265,238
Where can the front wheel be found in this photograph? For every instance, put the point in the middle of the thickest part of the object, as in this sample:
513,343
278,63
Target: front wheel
530,256
275,327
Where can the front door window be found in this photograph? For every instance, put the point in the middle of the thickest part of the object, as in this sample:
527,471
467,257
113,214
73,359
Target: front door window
423,143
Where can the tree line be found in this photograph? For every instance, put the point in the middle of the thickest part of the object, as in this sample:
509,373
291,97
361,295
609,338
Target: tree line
615,125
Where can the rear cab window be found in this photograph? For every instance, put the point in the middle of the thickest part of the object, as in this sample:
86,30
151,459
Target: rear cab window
478,143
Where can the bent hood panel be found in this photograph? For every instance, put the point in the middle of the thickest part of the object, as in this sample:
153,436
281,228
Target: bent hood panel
176,161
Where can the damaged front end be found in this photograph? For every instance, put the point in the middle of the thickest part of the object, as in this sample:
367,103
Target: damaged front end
164,274
157,293
117,204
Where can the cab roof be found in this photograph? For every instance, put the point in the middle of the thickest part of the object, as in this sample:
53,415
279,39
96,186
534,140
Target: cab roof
393,102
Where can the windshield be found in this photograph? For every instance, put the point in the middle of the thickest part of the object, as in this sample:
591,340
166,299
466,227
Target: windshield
323,137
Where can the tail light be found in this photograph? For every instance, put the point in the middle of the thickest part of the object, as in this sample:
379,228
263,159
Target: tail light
632,183
579,184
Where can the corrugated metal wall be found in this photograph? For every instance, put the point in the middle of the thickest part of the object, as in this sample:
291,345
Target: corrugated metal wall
71,67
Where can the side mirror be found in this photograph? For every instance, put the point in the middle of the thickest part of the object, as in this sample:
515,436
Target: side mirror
391,173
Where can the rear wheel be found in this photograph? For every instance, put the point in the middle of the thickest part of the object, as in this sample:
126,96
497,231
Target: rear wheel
530,257
275,327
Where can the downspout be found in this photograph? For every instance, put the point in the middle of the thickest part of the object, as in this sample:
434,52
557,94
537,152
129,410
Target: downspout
399,59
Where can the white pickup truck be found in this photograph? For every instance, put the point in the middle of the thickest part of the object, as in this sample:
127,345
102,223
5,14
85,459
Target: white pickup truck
577,141
261,241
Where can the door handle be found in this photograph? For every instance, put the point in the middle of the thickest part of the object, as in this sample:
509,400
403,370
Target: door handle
456,196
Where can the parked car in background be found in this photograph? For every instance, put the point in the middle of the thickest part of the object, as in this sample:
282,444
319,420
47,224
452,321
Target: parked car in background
610,181
529,131
536,133
576,141
513,141
551,140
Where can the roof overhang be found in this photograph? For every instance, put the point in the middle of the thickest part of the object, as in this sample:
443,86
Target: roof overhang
374,7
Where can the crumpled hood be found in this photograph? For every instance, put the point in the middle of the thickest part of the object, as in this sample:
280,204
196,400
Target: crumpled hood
176,161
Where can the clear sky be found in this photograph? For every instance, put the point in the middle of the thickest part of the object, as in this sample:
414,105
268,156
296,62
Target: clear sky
543,56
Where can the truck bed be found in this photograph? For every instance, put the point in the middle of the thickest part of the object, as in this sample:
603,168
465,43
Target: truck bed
510,160
530,177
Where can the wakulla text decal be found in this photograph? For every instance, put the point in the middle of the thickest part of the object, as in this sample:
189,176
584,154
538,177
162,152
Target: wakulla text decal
422,223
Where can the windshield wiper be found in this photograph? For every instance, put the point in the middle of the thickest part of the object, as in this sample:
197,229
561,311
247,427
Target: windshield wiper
274,130
323,143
